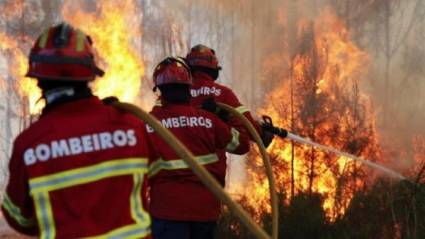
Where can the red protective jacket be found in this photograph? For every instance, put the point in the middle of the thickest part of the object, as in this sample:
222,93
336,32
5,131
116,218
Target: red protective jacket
80,172
205,87
176,193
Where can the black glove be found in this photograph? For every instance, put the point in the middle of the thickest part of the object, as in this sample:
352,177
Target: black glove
267,125
110,100
266,136
210,105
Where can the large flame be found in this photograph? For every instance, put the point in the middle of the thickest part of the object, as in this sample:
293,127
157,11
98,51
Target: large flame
115,41
115,31
329,108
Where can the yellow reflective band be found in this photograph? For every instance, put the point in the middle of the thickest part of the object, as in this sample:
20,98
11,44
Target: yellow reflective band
88,174
126,232
137,213
80,41
43,39
15,212
242,109
44,215
175,164
234,143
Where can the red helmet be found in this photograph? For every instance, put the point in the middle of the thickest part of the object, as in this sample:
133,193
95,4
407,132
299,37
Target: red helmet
204,56
63,53
172,71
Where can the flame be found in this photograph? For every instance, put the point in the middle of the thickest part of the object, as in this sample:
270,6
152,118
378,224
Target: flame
17,68
328,108
114,34
418,143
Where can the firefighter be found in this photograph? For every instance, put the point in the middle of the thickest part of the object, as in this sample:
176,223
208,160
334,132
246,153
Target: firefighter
205,91
80,170
181,206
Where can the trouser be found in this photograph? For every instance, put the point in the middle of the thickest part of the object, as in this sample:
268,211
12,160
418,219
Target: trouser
168,229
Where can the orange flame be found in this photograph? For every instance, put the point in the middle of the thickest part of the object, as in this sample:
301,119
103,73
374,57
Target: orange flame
115,41
114,35
17,68
328,108
418,143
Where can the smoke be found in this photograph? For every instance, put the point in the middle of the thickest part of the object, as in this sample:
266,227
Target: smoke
391,32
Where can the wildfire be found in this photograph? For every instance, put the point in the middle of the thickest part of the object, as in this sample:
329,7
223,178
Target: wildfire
17,66
419,158
114,34
328,108
115,42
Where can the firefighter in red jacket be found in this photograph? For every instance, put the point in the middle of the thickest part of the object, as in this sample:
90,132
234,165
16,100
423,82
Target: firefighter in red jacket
206,91
80,170
181,206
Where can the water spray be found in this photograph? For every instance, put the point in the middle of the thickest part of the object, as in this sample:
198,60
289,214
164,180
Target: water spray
283,133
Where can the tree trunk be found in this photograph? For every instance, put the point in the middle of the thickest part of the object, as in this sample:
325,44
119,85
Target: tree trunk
253,63
314,75
387,62
189,23
292,130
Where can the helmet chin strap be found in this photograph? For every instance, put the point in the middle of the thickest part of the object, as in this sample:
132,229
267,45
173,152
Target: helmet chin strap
56,94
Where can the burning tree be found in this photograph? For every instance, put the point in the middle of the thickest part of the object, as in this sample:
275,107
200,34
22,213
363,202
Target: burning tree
114,29
327,107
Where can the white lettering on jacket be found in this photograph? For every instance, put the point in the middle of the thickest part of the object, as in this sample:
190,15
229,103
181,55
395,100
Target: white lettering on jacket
79,145
205,91
183,121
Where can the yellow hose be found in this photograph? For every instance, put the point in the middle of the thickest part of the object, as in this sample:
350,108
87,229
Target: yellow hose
200,171
267,164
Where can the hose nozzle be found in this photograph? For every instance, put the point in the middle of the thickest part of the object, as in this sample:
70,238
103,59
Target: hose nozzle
267,125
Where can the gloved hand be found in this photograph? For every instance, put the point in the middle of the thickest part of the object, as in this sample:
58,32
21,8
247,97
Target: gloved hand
210,105
266,136
110,100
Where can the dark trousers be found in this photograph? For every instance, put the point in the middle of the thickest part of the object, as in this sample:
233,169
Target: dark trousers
167,229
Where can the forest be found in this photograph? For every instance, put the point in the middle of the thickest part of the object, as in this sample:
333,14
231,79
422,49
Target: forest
343,73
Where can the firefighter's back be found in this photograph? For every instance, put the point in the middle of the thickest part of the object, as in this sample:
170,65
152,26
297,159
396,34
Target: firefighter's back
176,192
181,206
86,164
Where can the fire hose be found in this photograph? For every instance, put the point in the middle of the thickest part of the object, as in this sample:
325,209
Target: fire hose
267,164
209,181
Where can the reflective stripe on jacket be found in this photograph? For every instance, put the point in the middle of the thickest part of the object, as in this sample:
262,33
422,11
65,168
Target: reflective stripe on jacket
176,193
80,171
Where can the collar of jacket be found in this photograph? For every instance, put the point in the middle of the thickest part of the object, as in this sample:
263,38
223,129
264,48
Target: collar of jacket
200,76
87,104
167,104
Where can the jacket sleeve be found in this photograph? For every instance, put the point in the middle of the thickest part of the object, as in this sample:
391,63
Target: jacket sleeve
17,206
233,101
152,156
229,138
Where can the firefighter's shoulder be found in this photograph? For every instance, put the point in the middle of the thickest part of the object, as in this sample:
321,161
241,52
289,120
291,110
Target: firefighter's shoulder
227,93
